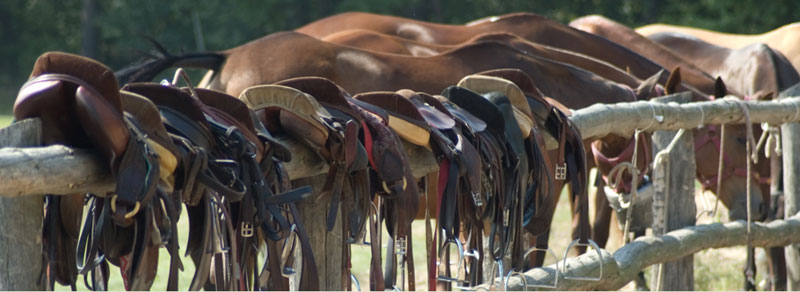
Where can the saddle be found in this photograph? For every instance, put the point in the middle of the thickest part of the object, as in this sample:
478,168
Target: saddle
79,104
398,197
504,209
408,113
570,158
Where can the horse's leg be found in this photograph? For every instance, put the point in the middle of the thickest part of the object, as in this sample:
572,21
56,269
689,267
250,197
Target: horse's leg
777,263
602,214
576,221
750,270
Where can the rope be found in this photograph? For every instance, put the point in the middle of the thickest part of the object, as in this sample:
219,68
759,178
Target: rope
702,117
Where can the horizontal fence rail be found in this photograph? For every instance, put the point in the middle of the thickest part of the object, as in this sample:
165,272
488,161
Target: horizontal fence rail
621,267
62,170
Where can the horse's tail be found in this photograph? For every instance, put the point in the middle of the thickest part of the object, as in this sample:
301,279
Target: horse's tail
147,68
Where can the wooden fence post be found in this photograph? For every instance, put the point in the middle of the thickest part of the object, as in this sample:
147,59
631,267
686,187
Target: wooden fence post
21,221
678,210
790,133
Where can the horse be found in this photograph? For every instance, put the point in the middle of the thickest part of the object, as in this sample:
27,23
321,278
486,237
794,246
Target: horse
755,70
760,72
784,39
528,26
736,70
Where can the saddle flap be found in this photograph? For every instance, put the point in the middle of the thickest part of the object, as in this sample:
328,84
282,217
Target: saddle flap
404,118
150,119
434,116
297,112
478,106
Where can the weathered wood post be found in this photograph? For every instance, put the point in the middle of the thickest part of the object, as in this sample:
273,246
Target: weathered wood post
21,221
790,133
673,203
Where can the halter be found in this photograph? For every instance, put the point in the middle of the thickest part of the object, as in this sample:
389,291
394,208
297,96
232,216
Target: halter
626,155
708,182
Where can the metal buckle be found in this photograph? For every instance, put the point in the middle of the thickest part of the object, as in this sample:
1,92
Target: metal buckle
561,171
442,277
247,229
596,248
400,248
476,197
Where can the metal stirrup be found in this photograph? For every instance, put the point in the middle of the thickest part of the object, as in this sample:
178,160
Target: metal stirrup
467,254
442,250
596,248
524,280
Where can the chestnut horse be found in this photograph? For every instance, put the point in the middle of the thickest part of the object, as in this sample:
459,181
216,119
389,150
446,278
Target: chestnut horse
785,39
528,26
746,69
755,70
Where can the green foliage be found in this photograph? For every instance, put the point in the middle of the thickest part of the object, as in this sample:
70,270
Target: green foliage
31,27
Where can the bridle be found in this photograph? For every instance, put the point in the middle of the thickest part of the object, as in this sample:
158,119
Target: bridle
708,182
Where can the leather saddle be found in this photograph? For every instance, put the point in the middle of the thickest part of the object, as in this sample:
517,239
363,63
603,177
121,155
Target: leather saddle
79,104
570,158
504,209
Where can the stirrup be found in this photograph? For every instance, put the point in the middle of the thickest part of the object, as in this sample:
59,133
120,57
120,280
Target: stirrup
355,281
373,212
463,285
525,280
497,270
596,248
442,277
291,241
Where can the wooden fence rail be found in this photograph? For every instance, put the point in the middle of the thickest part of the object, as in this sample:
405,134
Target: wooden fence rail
60,170
621,267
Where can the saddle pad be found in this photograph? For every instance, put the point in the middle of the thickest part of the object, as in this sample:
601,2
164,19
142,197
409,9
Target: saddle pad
485,84
294,107
404,118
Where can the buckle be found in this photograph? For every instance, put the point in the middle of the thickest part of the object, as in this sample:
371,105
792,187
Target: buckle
561,171
476,197
247,229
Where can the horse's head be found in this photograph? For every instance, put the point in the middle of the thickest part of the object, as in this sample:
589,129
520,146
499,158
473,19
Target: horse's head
733,187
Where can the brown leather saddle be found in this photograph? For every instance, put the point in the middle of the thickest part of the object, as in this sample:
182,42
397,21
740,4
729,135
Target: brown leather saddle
79,104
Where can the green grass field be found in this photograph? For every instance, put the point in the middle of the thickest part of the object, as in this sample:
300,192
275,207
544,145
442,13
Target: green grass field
716,269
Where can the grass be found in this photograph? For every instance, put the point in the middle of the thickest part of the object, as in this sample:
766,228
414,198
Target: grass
715,269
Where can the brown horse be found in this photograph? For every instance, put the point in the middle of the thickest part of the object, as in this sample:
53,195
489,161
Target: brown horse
755,70
784,39
528,26
706,146
730,191
379,42
759,72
